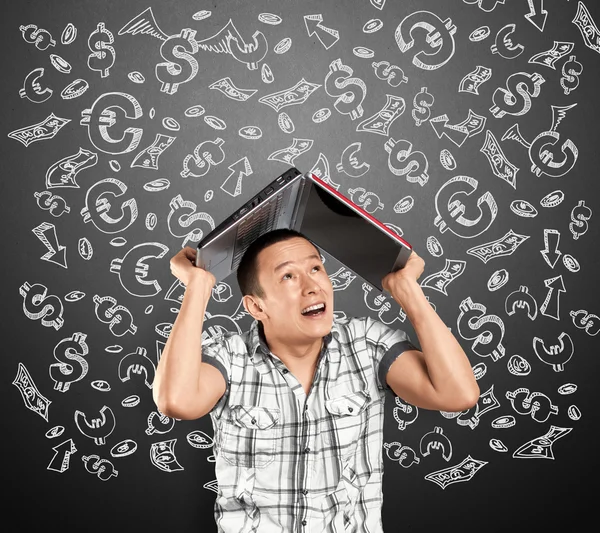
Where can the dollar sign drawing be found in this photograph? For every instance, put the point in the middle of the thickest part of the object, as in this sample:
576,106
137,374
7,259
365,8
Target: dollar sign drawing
103,55
116,316
103,468
391,73
521,87
587,321
353,90
422,102
184,219
413,165
71,364
535,404
571,70
204,156
369,201
41,38
580,214
38,305
487,330
51,202
180,65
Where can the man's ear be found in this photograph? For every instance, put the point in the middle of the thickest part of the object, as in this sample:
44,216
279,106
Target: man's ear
253,307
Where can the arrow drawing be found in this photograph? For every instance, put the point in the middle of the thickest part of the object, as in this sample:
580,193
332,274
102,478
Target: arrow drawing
327,36
537,16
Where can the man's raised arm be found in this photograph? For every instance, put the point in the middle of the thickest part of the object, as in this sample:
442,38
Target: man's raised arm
178,388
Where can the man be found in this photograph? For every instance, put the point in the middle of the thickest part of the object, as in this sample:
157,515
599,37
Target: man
297,401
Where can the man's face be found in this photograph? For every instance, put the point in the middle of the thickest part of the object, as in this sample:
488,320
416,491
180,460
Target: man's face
289,288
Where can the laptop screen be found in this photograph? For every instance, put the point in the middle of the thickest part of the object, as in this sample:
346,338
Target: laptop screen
349,237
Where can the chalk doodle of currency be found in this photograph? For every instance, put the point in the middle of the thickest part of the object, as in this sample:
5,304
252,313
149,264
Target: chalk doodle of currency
207,111
102,57
439,46
542,149
503,44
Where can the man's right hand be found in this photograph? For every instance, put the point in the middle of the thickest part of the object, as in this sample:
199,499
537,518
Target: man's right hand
183,266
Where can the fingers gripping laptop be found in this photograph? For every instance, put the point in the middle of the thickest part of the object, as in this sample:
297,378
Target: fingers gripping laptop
307,204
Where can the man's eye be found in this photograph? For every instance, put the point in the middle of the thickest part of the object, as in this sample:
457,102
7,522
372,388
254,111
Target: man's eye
289,274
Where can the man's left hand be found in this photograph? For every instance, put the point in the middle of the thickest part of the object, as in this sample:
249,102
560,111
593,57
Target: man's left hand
411,271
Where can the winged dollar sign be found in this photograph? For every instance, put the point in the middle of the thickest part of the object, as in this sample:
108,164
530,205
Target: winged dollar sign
180,66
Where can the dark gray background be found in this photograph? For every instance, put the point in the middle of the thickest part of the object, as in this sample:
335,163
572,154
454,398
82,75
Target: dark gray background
523,495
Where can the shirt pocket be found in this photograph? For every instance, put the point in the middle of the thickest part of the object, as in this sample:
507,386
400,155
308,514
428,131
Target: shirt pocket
250,436
346,420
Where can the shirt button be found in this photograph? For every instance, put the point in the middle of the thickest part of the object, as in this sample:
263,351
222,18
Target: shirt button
305,492
254,420
285,370
303,522
306,450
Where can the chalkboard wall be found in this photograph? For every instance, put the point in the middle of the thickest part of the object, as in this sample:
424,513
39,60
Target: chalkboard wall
133,128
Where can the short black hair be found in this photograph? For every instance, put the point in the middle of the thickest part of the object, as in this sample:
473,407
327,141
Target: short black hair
247,272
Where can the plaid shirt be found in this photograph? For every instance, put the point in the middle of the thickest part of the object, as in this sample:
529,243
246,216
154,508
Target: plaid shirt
288,462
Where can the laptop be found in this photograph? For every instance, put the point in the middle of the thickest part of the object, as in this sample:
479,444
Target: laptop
307,204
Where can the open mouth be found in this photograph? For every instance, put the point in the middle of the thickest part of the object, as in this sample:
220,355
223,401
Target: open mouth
315,312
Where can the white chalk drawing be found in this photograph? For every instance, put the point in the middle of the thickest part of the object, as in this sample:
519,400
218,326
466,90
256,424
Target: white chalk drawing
102,468
134,271
463,471
587,26
504,46
97,429
61,460
33,399
404,161
72,365
440,39
102,57
109,217
221,112
101,118
350,91
46,129
33,89
162,456
381,121
315,27
350,164
39,37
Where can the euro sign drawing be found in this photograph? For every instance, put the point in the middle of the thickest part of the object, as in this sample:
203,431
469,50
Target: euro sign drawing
439,45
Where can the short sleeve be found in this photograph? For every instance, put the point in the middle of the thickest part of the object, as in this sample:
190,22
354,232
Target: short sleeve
216,353
386,344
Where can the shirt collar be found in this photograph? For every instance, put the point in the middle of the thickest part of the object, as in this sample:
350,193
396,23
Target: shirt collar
258,342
